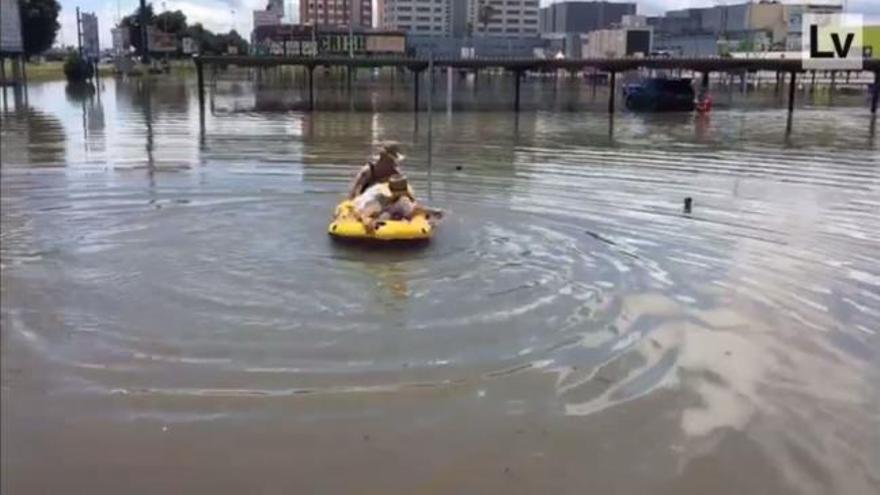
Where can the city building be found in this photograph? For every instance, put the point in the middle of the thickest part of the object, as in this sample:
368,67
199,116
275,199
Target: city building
504,18
871,42
564,25
795,17
474,47
582,17
305,39
421,17
337,12
458,18
632,38
767,25
271,16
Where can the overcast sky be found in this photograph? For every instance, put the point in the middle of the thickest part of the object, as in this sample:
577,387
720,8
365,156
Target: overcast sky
222,15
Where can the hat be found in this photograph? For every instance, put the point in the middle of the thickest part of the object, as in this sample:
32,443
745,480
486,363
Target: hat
393,151
398,183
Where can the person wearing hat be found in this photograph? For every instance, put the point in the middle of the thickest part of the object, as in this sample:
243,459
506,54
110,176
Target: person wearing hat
378,170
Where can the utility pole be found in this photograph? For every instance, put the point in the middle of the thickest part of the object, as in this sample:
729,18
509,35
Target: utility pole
79,44
145,50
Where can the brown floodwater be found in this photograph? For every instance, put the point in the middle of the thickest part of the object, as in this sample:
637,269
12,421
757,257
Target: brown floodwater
176,320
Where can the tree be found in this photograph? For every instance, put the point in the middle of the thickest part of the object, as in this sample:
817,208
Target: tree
485,15
76,69
172,22
39,24
234,39
210,43
133,23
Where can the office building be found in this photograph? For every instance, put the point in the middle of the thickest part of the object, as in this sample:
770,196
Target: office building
504,18
632,38
795,17
336,12
420,17
583,17
458,18
754,26
271,16
564,25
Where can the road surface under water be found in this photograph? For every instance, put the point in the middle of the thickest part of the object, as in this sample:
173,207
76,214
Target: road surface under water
176,320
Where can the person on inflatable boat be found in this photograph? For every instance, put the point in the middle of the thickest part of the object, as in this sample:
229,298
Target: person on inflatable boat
390,201
377,170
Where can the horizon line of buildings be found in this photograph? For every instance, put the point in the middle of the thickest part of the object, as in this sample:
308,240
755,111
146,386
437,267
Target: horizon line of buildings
570,29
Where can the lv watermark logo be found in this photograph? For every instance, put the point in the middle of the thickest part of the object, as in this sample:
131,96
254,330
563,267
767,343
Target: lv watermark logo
832,42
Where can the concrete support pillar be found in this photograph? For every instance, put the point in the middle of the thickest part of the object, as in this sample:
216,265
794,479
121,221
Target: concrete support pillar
518,78
416,75
311,70
612,91
876,93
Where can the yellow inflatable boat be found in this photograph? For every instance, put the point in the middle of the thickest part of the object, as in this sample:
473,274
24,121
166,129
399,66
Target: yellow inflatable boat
346,225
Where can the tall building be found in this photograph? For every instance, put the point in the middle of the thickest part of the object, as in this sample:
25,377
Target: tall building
421,17
583,17
504,18
458,18
754,26
336,12
795,14
271,16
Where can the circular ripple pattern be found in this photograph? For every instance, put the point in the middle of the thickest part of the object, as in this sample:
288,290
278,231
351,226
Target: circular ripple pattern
148,258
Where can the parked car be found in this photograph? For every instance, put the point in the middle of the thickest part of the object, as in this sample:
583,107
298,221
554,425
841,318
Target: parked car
660,95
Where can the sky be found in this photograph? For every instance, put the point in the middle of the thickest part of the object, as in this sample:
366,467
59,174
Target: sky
223,15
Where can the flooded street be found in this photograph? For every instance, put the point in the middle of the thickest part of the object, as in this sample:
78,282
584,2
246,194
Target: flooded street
176,320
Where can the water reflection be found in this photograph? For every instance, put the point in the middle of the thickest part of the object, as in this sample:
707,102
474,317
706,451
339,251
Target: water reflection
31,138
566,303
79,91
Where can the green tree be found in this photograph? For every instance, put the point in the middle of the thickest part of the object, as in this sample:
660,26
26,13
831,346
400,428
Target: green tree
76,69
133,23
234,39
172,22
210,43
39,24
486,15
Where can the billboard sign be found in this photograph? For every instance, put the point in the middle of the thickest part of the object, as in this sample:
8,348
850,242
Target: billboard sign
189,46
10,27
386,44
160,41
121,39
266,18
90,44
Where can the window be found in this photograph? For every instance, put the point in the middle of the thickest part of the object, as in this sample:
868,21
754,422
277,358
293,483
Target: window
404,18
423,28
529,21
512,30
423,9
406,8
422,18
494,30
405,27
531,3
513,20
